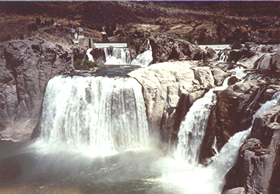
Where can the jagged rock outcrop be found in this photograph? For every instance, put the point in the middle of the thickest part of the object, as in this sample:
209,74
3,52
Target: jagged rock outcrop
233,112
219,76
258,166
256,57
167,84
26,67
165,48
98,55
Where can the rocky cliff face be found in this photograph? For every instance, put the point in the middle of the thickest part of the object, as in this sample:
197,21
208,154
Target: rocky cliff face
233,112
169,90
165,48
26,66
256,57
258,167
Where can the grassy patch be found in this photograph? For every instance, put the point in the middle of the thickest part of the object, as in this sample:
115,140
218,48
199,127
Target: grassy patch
83,65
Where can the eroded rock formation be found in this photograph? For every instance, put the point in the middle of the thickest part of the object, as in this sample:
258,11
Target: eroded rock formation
165,48
233,112
26,67
167,84
256,57
258,166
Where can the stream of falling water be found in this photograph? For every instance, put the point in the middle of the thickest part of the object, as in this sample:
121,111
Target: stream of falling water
117,56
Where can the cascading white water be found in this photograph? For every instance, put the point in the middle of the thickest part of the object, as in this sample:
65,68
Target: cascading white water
144,59
118,56
90,57
260,61
193,126
223,56
97,114
227,156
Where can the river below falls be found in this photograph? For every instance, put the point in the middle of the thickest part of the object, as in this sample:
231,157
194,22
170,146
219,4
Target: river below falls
27,168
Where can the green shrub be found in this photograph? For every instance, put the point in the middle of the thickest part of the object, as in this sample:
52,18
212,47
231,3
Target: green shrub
79,64
89,64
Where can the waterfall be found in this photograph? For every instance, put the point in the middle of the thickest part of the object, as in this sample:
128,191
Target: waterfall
98,114
117,56
187,174
223,56
90,57
193,126
228,155
144,59
260,61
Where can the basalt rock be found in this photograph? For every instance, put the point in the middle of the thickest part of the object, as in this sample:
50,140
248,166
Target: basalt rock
258,166
99,55
219,76
165,48
26,66
233,112
167,84
256,57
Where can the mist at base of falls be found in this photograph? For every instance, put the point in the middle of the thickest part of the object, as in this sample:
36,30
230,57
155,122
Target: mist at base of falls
136,171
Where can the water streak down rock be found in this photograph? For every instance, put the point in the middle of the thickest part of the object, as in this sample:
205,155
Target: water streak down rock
26,67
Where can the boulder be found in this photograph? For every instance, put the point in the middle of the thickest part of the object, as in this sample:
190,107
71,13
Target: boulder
163,85
219,76
258,165
165,48
98,55
26,66
256,57
238,54
204,76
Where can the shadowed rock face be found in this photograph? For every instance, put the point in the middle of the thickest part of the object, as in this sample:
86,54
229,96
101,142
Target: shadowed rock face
233,112
26,67
259,57
258,165
165,48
